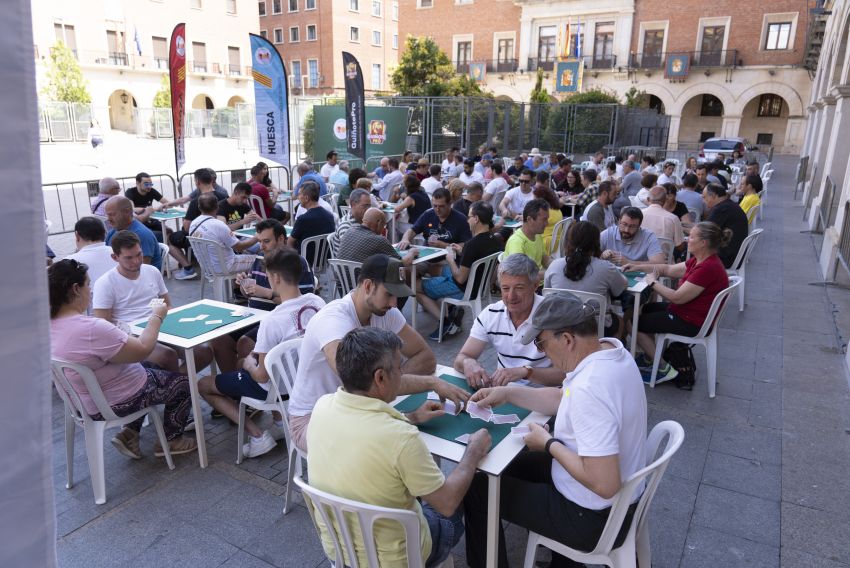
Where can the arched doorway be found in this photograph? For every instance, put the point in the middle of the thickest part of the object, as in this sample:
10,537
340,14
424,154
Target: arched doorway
202,102
122,111
235,100
656,104
702,118
764,120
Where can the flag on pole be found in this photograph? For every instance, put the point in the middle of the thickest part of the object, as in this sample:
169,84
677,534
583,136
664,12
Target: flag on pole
271,100
578,38
567,49
177,74
355,101
138,40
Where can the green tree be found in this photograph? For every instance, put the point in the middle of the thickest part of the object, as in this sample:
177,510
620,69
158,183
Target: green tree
426,71
309,132
162,99
636,98
595,96
65,81
539,93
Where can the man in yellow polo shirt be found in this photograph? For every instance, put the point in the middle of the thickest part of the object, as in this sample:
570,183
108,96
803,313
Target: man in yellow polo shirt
528,240
362,448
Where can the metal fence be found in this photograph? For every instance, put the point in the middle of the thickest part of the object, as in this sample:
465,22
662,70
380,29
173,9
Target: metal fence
64,122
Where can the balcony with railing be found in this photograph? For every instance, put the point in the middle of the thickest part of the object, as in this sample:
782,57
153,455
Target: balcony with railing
118,58
715,58
590,62
492,65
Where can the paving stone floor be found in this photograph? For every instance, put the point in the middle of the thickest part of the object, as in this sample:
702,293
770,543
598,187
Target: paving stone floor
761,480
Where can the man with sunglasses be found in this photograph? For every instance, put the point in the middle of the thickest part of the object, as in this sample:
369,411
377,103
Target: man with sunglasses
563,488
143,196
516,198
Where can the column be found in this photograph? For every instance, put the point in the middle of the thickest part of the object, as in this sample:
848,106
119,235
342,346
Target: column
673,135
817,155
525,40
731,126
835,166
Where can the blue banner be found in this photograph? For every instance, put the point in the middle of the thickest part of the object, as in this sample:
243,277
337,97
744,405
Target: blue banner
477,72
271,97
568,76
678,66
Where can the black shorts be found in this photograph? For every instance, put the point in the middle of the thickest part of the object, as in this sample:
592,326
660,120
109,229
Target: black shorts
250,332
179,239
239,383
655,318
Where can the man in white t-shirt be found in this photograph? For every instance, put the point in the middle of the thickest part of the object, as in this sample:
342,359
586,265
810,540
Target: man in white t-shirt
469,175
371,303
89,235
123,295
516,198
331,166
432,182
668,175
208,226
597,443
448,164
496,185
287,321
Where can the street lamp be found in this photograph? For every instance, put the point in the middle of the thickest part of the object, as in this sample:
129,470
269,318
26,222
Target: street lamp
124,98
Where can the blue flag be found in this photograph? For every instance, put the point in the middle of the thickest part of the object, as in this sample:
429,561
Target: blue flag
271,97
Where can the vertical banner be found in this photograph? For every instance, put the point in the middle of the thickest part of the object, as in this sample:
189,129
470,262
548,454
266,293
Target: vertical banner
177,74
677,67
477,72
355,102
271,100
568,76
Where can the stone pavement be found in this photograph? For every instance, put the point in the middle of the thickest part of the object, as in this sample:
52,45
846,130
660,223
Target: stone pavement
761,479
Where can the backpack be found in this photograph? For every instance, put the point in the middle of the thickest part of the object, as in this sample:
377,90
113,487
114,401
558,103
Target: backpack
681,357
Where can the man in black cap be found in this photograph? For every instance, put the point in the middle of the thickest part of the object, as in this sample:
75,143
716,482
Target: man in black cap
564,487
372,303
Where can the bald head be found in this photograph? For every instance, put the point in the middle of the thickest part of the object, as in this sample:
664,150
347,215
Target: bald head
119,212
657,195
109,186
303,168
375,220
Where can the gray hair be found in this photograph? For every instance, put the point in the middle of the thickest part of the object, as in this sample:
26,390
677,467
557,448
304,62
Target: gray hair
630,164
357,195
658,195
108,185
303,168
363,351
343,165
520,265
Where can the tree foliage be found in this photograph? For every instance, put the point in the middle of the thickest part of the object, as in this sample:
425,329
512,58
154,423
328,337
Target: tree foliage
636,98
595,96
426,71
162,99
539,93
65,81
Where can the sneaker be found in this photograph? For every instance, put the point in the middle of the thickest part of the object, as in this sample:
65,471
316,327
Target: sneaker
216,414
666,372
277,431
259,446
177,446
187,273
643,362
127,442
449,328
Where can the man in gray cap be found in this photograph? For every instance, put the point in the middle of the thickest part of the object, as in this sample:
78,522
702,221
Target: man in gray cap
372,303
563,488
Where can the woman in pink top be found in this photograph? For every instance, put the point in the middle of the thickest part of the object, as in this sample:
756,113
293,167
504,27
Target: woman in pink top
116,360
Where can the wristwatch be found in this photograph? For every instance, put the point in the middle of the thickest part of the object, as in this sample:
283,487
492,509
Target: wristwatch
549,443
528,370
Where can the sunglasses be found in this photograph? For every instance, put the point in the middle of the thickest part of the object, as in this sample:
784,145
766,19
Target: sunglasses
148,184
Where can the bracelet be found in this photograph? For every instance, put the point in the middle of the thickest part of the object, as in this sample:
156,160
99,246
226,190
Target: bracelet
549,443
158,316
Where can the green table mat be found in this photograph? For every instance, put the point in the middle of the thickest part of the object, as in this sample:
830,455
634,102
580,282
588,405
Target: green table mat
449,427
633,275
187,330
169,214
509,223
252,231
423,251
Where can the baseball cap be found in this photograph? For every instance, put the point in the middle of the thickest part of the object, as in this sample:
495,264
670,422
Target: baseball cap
487,156
558,311
469,162
388,271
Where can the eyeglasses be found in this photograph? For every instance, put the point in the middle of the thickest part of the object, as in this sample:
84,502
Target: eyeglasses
148,184
538,343
525,181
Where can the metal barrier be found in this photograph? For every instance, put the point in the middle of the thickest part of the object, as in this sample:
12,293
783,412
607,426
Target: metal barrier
65,202
280,176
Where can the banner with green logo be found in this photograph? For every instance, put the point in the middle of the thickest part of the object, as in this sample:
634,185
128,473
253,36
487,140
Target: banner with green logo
386,131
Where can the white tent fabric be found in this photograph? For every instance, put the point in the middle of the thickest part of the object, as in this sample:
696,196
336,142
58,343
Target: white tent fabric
27,525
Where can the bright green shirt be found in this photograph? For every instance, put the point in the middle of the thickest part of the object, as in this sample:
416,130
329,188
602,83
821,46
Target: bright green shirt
519,243
362,448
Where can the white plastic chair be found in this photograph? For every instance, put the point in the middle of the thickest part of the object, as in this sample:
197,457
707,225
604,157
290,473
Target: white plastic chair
763,193
332,247
344,210
707,336
472,294
75,413
257,205
668,248
559,237
281,364
753,216
331,199
637,539
764,168
329,511
319,259
204,250
602,301
739,266
695,214
165,269
497,200
345,275
331,187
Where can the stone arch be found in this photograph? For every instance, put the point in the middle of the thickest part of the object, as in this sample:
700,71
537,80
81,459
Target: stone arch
235,100
792,98
203,101
718,91
662,92
122,111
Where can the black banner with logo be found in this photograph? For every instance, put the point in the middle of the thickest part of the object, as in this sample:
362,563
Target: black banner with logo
355,102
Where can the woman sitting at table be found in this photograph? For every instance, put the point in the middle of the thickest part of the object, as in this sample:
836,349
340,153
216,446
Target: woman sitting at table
414,199
555,215
116,359
583,269
701,278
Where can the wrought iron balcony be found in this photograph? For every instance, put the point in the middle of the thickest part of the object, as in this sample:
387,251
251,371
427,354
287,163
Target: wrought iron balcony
714,58
590,62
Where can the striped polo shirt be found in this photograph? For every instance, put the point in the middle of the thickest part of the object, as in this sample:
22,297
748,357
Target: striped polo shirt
494,326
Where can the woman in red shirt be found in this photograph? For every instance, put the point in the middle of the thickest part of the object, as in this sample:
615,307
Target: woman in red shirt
701,278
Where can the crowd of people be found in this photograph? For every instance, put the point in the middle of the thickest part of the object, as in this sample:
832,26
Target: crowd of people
358,352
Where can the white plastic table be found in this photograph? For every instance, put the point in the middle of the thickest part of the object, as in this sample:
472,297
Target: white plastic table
441,253
189,345
636,290
175,213
493,465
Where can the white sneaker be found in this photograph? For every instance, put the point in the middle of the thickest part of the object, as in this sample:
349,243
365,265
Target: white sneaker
259,446
276,431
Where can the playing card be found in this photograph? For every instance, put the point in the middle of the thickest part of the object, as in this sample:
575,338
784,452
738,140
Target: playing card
450,408
156,302
478,412
464,439
186,320
433,396
238,313
201,317
504,419
520,430
211,322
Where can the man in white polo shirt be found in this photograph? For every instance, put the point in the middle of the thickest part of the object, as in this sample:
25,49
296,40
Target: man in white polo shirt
208,226
90,234
501,325
372,303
